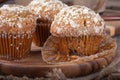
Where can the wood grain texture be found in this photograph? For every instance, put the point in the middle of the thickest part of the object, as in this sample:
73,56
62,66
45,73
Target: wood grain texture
34,66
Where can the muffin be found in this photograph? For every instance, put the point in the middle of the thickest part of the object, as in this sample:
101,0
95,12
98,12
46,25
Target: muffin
77,32
16,31
79,22
45,10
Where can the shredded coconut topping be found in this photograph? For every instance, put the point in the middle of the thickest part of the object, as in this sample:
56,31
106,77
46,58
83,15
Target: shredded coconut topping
46,8
76,21
16,18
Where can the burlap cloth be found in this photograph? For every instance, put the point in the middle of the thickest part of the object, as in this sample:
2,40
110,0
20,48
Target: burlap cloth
111,72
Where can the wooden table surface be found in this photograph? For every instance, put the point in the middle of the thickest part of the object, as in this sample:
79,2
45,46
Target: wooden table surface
113,67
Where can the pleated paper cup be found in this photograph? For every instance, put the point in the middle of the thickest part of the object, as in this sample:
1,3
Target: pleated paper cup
81,46
91,44
42,32
69,49
14,46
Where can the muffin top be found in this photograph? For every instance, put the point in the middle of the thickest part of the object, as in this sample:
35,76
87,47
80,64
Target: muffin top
46,9
75,21
16,19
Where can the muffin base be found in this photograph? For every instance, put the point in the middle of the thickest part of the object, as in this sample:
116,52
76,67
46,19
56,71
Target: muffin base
14,46
81,46
53,55
42,32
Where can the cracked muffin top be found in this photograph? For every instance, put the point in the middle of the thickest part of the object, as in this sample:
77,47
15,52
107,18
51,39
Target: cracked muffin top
16,19
76,21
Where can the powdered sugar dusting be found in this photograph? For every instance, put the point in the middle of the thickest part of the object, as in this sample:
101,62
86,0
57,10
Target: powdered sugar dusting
79,20
16,18
46,8
73,24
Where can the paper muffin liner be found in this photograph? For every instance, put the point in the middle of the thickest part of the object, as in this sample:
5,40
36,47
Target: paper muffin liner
14,46
91,44
56,50
42,32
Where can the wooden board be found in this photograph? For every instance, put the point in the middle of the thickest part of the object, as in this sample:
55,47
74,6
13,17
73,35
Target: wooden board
113,27
34,66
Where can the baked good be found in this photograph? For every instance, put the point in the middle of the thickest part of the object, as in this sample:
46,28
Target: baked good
51,53
16,31
80,22
77,33
45,10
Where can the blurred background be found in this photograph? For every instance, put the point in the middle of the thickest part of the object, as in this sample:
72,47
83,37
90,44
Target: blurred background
108,9
101,6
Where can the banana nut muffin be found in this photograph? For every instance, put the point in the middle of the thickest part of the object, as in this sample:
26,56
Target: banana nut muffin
45,10
82,23
77,31
16,30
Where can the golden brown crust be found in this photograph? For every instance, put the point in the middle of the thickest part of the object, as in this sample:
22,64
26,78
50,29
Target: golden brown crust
16,19
76,21
46,8
53,52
